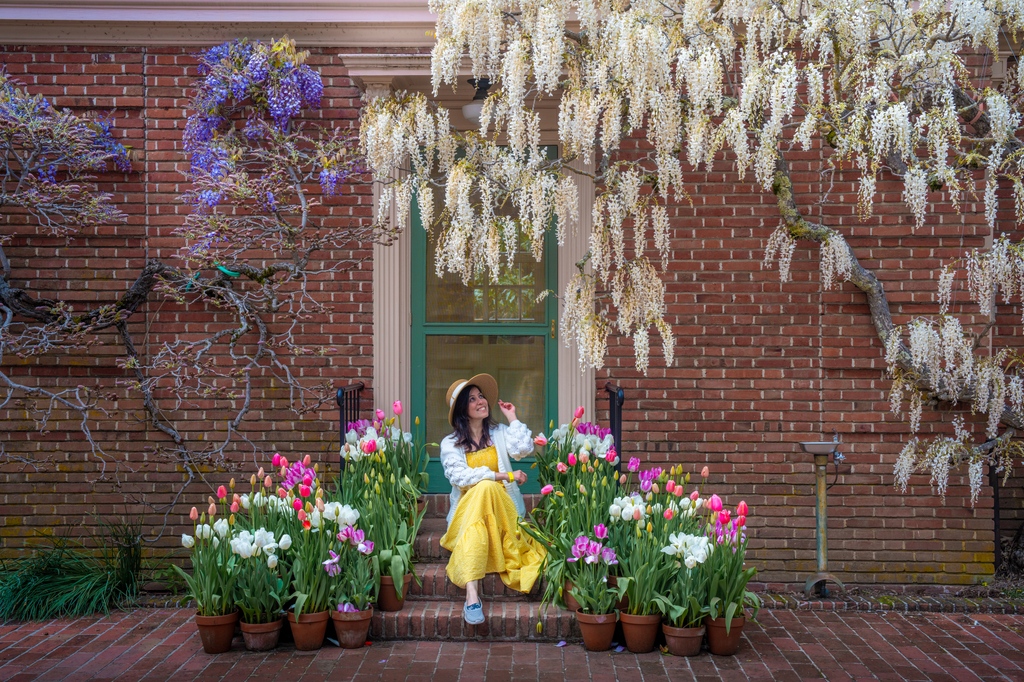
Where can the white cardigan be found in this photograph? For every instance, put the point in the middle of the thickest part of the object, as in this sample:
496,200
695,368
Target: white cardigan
514,440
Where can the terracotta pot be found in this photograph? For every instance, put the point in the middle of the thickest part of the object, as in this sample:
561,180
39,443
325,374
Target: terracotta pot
387,599
352,628
261,636
309,630
216,632
598,629
683,641
640,632
622,604
720,643
570,601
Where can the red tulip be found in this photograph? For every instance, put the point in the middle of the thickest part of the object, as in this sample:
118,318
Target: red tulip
741,508
741,521
723,516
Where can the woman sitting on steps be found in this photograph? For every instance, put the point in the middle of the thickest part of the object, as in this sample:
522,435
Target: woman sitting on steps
486,505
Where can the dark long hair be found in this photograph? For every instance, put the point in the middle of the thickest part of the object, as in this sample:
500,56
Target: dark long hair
460,420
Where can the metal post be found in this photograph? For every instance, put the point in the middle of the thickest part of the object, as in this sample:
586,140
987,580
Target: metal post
816,583
616,398
994,479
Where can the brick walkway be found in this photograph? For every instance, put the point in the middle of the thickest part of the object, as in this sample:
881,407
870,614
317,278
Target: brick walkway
162,644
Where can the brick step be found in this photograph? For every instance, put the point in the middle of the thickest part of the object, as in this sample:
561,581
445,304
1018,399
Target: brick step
505,621
436,586
427,546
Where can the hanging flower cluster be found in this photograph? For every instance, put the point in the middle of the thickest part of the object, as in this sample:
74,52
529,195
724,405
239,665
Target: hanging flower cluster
885,87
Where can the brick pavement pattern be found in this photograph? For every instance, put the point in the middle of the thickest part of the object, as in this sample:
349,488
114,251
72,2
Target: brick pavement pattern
162,644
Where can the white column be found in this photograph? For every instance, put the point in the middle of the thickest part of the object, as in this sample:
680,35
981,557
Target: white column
575,386
392,305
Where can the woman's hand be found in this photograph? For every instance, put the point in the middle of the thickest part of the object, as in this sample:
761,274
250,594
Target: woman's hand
519,476
509,410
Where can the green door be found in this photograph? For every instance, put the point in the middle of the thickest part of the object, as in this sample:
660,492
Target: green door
497,328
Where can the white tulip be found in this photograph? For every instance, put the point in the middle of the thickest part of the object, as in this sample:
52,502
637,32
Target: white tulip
221,526
188,541
271,561
285,542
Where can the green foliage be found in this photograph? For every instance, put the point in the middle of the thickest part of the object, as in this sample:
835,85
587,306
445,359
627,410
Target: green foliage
67,581
727,591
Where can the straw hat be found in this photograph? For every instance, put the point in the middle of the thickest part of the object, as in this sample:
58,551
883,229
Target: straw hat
485,382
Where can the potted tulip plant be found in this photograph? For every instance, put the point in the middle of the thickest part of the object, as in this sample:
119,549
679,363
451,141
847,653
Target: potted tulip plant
728,595
686,600
387,499
212,582
260,589
312,536
587,568
355,588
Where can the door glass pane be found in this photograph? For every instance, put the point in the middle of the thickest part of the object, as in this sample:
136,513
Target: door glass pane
513,298
516,362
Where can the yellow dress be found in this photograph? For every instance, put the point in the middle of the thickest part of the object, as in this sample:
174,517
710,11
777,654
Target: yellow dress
484,535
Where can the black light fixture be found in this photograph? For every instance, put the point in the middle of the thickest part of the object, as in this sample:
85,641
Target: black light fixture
471,111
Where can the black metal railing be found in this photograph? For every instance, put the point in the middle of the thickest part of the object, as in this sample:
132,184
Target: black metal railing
349,403
616,396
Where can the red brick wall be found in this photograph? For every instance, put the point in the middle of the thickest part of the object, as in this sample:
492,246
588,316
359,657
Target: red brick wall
147,91
760,365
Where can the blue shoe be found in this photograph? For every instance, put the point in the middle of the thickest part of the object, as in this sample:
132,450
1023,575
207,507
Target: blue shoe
473,613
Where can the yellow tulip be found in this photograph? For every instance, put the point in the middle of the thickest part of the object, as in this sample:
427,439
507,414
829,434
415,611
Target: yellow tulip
231,483
231,520
252,480
417,421
650,527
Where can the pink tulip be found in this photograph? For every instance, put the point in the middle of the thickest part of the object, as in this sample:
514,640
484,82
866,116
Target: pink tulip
705,472
235,499
284,462
741,508
561,467
380,415
694,495
304,491
305,461
307,480
669,514
297,504
634,464
222,492
281,492
741,521
600,531
283,472
267,482
547,490
320,506
611,455
637,513
370,446
583,489
540,441
275,461
396,407
584,457
301,514
723,516
678,492
234,507
212,510
670,486
654,488
579,412
572,459
194,514
715,503
622,479
260,473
